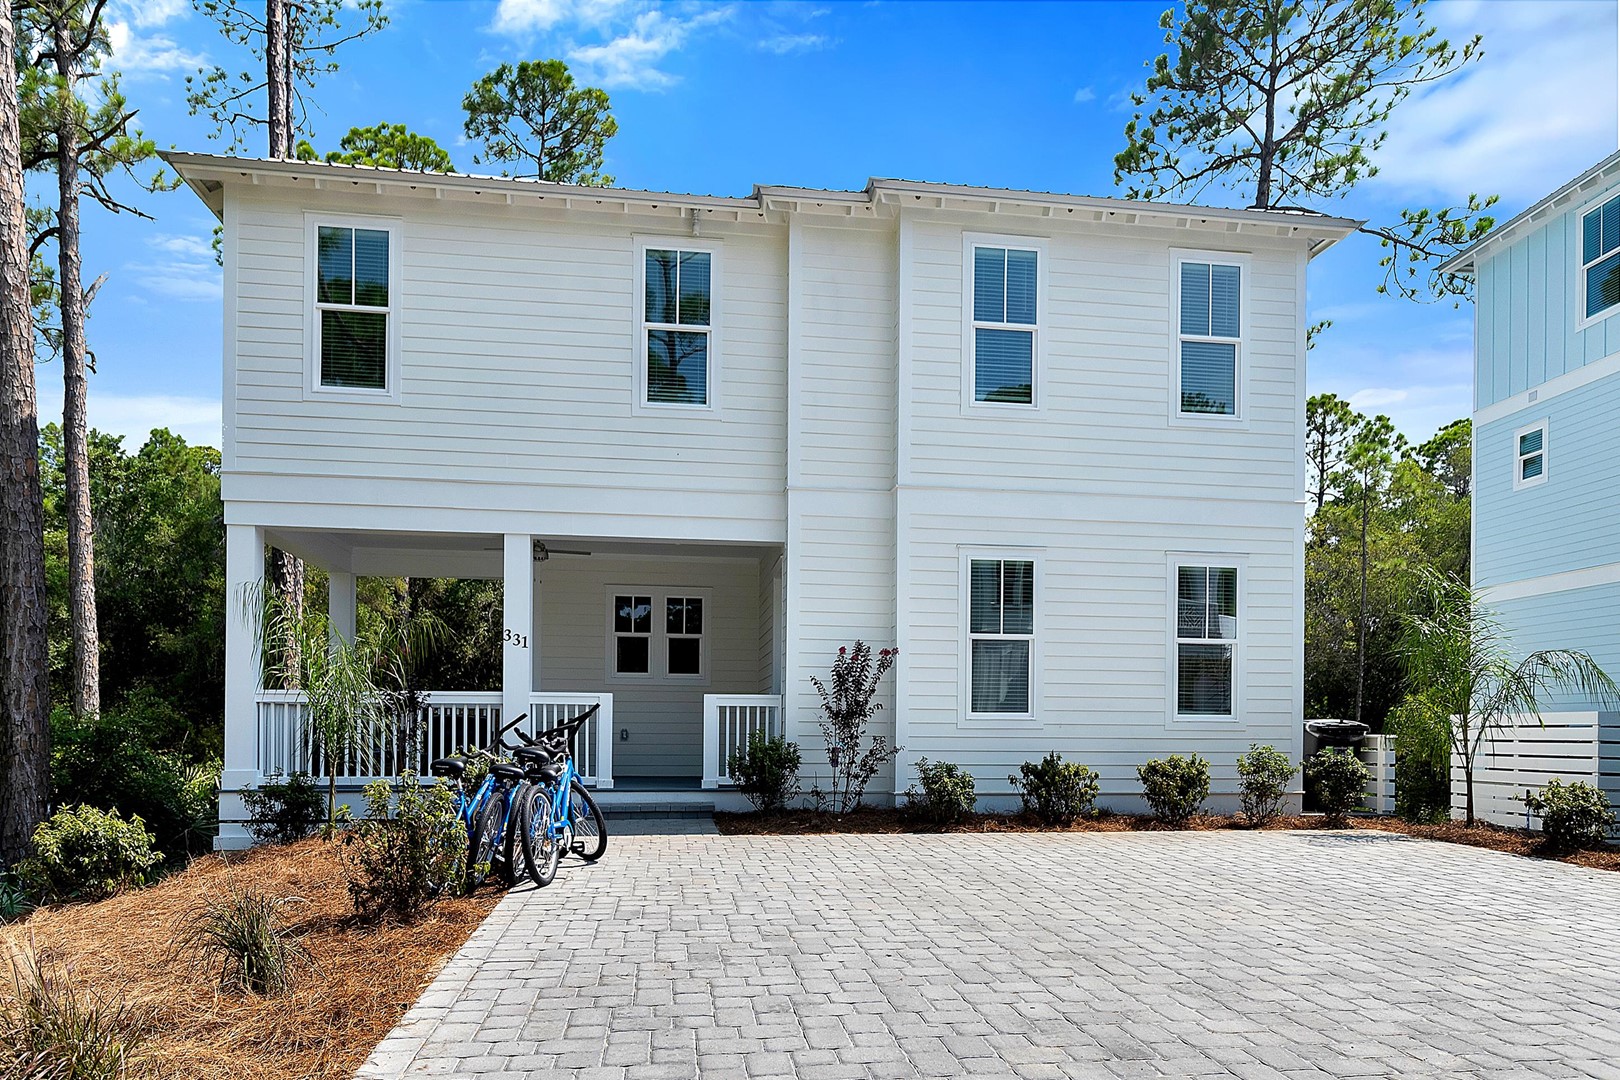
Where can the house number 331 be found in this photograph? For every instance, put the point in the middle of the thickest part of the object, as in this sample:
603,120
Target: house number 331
519,640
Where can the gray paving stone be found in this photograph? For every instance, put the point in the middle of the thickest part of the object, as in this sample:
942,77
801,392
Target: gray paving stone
685,955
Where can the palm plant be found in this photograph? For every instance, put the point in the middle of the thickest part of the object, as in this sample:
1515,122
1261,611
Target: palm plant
1460,657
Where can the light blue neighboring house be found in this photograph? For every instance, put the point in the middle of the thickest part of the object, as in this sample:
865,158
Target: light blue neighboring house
1547,456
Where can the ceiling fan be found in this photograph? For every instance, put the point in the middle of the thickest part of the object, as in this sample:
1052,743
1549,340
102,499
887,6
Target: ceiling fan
542,552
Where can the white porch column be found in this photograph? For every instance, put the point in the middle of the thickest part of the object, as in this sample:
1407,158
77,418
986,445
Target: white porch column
340,604
517,645
244,598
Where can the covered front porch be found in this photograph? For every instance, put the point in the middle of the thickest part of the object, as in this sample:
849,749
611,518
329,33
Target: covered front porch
677,644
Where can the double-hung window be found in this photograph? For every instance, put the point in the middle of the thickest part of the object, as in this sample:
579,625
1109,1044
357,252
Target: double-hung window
1209,337
1600,258
1001,637
1005,324
632,634
1206,641
678,326
683,640
1530,455
353,308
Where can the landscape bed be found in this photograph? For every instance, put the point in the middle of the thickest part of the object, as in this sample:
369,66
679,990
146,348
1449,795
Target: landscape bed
361,980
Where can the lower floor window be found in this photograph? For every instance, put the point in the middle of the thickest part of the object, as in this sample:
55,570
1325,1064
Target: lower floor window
1206,639
1001,636
656,635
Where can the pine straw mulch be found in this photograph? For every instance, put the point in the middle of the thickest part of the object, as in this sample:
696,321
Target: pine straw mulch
362,980
885,820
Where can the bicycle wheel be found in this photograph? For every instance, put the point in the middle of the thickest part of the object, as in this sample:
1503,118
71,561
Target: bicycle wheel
542,851
485,840
590,829
516,866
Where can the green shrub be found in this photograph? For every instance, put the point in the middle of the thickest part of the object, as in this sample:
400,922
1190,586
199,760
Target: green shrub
947,797
284,809
1339,781
767,771
407,851
14,899
1174,787
1573,816
1422,760
242,933
1263,776
53,1029
81,852
1057,792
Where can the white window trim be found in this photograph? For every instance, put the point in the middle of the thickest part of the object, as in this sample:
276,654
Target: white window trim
1583,321
1039,245
312,318
1173,562
966,557
1519,483
658,638
638,297
1241,260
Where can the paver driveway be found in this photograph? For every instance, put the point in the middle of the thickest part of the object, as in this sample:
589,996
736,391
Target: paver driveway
1081,955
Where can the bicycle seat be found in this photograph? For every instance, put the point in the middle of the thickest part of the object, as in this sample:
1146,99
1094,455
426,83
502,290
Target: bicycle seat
534,756
505,770
452,767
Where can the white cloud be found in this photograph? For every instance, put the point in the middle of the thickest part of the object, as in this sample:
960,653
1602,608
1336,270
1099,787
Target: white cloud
1084,94
783,44
1534,111
148,13
139,54
195,419
1377,397
184,270
619,44
630,60
523,18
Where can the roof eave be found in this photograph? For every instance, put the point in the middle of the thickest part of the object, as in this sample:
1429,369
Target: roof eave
1467,260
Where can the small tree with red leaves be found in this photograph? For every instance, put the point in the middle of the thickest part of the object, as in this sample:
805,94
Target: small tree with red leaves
846,708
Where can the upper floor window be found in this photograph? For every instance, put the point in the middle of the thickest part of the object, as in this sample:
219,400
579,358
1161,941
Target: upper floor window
677,325
1001,637
1206,641
1005,324
1530,455
1209,338
1600,258
353,306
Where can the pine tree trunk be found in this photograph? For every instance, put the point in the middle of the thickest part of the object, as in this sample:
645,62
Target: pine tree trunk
24,675
86,674
279,109
1361,622
287,579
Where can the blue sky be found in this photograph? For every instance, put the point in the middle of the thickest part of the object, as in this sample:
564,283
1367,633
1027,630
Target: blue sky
717,97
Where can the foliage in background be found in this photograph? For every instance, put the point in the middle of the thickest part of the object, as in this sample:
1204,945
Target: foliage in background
1422,760
283,809
53,1027
1573,816
1287,102
1460,654
946,796
846,710
1174,787
243,936
766,771
1338,780
408,851
1057,792
87,854
531,112
14,899
1263,776
387,146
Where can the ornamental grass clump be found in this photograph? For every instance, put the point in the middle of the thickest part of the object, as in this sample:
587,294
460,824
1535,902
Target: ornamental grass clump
53,1027
946,797
1263,776
1174,787
243,934
1055,791
847,706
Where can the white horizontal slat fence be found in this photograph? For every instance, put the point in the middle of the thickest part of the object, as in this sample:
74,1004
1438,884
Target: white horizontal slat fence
1521,758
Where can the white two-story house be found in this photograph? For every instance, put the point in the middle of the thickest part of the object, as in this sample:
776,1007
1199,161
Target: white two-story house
1048,446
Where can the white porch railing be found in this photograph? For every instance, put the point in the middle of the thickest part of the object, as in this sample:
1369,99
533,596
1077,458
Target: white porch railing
728,721
451,722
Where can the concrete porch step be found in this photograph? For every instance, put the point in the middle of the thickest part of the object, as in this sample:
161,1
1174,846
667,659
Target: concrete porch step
643,803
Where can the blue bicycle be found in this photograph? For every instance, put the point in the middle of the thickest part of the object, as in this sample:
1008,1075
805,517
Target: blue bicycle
554,812
486,811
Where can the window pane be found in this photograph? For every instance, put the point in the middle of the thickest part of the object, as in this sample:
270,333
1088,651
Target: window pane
371,267
632,656
1222,603
694,615
675,616
1017,597
1592,235
1530,442
334,274
1603,285
1000,676
1204,680
1192,604
989,284
1195,299
354,349
984,607
1531,468
660,285
1208,377
1004,366
1225,287
694,281
1611,225
678,367
1021,287
685,655
623,614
